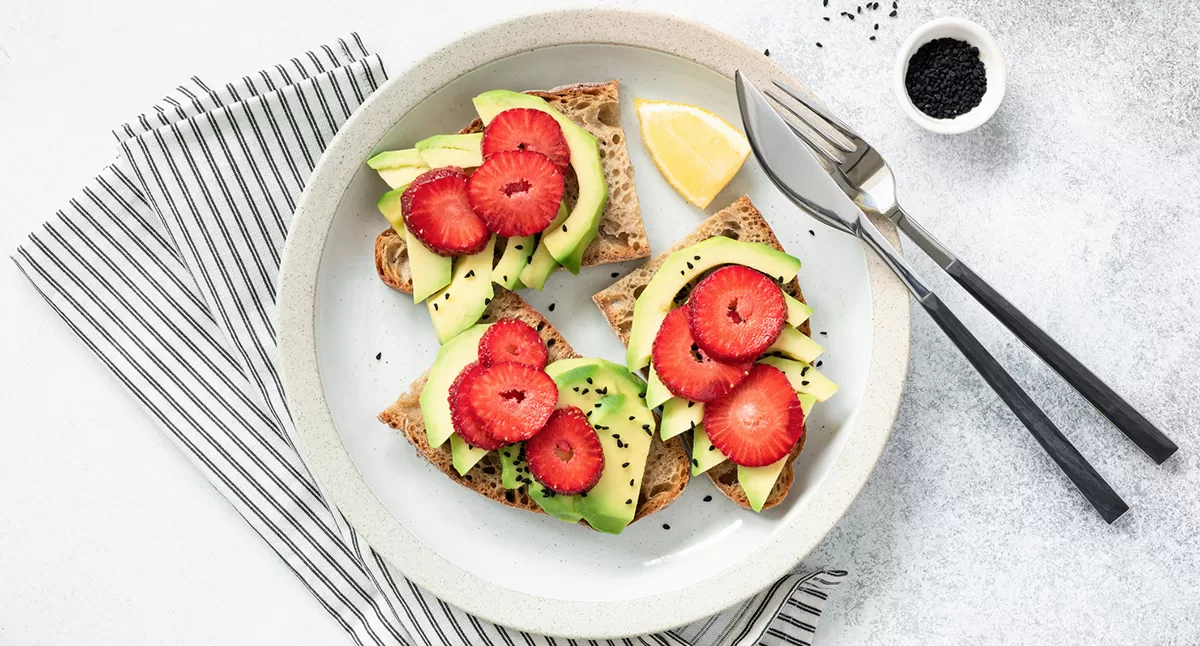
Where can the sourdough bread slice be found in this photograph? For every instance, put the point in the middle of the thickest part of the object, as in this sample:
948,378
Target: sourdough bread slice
667,467
740,221
595,107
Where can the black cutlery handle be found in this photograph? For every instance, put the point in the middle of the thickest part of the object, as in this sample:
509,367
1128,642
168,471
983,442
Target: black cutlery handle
1074,465
1118,411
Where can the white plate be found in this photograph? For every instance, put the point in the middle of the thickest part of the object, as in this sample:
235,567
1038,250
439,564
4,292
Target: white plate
531,571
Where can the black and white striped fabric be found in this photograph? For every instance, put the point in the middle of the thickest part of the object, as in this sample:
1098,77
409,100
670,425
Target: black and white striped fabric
165,267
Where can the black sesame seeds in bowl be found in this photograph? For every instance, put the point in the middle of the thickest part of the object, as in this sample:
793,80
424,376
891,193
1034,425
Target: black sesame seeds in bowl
950,76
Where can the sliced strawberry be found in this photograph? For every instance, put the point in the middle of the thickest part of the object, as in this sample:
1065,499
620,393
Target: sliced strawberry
566,455
516,192
683,366
513,400
736,313
465,423
438,212
758,422
527,129
512,340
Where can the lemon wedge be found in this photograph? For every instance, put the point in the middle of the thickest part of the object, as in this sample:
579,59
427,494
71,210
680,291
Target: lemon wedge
695,150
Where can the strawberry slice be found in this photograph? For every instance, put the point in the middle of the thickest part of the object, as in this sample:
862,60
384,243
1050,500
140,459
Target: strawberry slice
527,129
566,455
736,313
437,210
465,423
758,422
683,366
513,400
516,192
511,339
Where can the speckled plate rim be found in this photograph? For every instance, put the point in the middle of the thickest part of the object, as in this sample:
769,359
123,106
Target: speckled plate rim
321,444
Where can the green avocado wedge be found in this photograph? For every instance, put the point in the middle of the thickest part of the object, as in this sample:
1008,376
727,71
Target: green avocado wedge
794,344
797,312
430,272
398,167
452,357
684,266
459,305
680,415
464,151
464,456
804,378
656,391
507,272
704,455
569,239
542,263
510,465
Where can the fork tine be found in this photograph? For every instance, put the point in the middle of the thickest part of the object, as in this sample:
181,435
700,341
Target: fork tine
812,142
827,140
822,112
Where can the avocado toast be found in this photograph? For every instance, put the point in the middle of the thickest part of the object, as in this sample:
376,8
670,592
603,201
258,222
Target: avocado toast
503,474
619,234
738,235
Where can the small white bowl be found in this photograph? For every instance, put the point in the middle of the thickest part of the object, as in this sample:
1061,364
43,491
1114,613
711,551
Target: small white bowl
994,68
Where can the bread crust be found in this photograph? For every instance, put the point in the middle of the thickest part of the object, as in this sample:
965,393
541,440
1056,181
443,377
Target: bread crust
595,107
667,466
740,220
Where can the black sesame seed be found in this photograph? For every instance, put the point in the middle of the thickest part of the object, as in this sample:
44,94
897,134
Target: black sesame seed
892,14
826,19
712,448
564,228
447,295
487,301
435,307
471,274
872,38
682,272
819,364
585,391
708,499
507,454
695,462
695,257
589,413
620,444
876,26
625,465
520,247
631,417
690,266
803,383
505,278
666,526
804,371
378,356
589,380
631,482
811,232
645,427
691,403
576,389
824,3
616,436
629,502
824,334
596,405
766,52
551,308
859,8
615,274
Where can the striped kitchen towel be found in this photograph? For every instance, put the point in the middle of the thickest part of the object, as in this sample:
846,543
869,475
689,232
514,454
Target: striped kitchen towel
165,267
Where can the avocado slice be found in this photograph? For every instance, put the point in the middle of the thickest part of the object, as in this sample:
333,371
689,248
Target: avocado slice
758,482
625,426
430,272
564,508
704,455
656,391
398,167
511,465
517,251
804,378
794,344
797,312
569,239
459,305
680,415
541,264
464,456
684,266
451,358
464,151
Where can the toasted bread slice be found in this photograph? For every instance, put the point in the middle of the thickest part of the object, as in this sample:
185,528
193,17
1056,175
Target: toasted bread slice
740,221
667,466
596,108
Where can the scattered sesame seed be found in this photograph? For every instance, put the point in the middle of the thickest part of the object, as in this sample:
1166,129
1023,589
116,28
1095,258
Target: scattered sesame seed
472,273
766,52
435,307
819,364
708,499
695,462
615,274
629,502
520,247
804,383
378,356
666,526
820,45
872,38
811,232
625,465
631,482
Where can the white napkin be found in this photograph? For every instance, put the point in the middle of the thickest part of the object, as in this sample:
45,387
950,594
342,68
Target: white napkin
165,267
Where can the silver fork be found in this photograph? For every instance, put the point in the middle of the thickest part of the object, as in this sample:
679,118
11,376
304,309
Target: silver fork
865,177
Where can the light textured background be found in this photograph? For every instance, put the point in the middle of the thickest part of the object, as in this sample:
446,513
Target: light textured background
1078,201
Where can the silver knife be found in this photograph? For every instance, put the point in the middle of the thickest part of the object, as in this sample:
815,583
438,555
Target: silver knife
794,169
